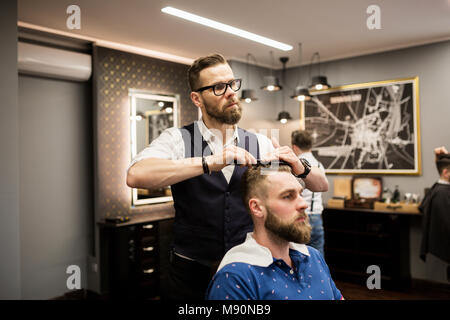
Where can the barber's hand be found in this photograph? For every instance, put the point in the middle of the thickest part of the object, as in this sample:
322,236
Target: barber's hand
230,153
286,154
440,150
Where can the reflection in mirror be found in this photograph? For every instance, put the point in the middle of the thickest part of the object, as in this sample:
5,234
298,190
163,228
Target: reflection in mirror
150,115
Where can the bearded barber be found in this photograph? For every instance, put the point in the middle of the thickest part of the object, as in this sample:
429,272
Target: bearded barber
197,162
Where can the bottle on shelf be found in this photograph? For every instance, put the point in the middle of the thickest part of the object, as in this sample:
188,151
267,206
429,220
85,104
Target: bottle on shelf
386,196
396,195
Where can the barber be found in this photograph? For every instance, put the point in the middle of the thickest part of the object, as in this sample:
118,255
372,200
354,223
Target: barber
197,161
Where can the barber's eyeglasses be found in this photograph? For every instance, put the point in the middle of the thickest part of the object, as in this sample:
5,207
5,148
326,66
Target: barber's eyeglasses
220,88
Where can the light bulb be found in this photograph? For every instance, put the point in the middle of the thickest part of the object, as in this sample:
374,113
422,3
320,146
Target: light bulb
169,110
161,104
270,88
248,100
301,98
319,86
283,121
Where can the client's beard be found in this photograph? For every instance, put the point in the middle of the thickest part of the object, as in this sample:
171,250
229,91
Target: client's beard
292,231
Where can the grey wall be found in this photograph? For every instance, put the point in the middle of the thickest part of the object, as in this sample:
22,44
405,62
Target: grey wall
56,183
9,155
261,114
431,64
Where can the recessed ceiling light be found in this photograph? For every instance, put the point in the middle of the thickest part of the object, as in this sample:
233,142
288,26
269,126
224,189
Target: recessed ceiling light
226,28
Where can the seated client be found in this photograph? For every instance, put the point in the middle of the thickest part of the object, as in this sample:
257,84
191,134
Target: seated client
273,262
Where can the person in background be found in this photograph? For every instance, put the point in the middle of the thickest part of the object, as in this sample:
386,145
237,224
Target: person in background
198,162
302,142
274,263
436,209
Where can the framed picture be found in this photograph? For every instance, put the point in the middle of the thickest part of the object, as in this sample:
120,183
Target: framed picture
368,128
370,188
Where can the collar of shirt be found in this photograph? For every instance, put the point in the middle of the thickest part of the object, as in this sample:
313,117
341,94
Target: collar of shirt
306,155
212,138
441,181
252,253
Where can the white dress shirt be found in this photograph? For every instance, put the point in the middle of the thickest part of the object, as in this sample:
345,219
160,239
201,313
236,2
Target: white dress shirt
253,253
170,145
307,194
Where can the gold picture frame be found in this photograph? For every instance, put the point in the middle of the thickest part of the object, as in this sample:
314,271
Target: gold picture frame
366,128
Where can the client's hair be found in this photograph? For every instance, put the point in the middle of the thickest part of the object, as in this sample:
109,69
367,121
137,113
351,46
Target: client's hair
253,181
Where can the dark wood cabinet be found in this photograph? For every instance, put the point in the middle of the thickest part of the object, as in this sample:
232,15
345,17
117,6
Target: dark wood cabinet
356,239
134,258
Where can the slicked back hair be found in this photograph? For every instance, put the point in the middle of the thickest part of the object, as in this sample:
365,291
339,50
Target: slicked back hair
200,64
253,182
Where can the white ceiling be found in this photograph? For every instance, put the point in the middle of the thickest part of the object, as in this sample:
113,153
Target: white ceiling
336,29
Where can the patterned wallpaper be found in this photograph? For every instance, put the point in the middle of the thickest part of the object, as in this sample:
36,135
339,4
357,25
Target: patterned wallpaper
114,73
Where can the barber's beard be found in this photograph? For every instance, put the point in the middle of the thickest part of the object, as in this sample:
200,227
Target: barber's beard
291,231
228,116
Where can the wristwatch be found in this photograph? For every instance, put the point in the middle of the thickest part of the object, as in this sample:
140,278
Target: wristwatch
307,167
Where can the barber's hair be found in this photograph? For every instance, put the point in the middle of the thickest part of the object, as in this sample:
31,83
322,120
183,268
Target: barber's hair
302,139
443,162
200,64
253,181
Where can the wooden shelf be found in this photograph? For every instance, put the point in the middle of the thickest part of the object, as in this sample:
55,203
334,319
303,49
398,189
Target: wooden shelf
363,210
355,237
361,253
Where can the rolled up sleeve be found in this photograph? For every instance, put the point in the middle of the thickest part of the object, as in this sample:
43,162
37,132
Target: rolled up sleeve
169,145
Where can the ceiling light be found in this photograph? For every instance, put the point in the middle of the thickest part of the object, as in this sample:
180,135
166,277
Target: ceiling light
301,93
284,116
318,82
226,28
271,82
248,95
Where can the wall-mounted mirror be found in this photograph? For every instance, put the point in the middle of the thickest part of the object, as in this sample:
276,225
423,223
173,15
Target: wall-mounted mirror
150,115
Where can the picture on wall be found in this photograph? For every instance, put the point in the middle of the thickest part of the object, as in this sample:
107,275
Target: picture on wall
367,128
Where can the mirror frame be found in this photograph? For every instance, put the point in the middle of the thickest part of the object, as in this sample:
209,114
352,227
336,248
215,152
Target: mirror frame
133,94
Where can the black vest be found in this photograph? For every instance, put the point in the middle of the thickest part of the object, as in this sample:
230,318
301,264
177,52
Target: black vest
210,216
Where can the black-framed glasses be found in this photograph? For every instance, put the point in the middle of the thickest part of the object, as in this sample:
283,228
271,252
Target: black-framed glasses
221,87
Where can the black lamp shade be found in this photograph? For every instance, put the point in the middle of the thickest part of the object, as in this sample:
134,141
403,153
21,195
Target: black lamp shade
319,83
284,116
271,83
248,95
301,94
